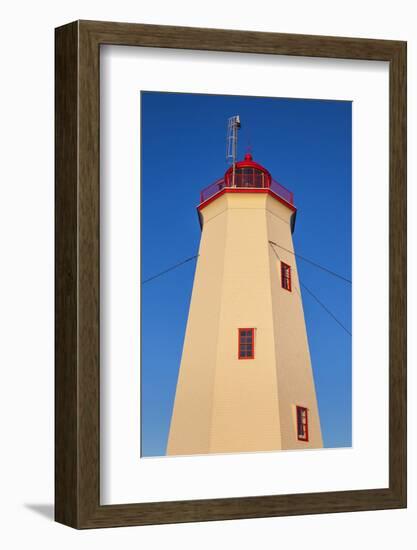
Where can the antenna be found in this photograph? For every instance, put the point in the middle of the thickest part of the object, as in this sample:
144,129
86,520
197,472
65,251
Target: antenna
233,125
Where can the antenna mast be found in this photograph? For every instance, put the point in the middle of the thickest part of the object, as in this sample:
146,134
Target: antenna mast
233,125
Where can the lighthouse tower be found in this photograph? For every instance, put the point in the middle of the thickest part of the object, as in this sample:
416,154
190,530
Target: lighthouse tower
245,382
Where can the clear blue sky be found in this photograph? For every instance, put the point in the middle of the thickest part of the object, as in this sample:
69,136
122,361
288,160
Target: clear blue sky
306,145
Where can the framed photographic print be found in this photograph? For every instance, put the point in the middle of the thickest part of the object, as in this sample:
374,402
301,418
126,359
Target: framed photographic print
230,274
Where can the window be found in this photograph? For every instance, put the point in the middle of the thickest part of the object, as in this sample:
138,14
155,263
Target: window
302,424
246,343
249,177
286,276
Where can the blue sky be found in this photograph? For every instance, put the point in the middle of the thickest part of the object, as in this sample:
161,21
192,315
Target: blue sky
306,145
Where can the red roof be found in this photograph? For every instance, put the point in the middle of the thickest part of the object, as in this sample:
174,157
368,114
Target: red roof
247,162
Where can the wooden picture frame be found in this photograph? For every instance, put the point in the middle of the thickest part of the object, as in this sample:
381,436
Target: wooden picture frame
77,404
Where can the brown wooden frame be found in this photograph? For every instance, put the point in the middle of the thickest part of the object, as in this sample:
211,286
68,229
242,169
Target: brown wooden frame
77,372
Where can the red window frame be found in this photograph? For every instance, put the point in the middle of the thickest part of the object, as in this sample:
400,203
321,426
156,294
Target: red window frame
302,423
286,276
246,343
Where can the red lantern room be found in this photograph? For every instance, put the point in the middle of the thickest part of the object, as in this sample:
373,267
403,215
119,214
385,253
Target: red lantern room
248,173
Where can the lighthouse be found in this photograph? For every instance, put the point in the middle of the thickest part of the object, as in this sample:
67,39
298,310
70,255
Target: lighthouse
245,382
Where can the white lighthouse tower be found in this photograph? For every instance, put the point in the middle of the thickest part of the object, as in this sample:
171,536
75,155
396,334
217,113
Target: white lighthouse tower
245,381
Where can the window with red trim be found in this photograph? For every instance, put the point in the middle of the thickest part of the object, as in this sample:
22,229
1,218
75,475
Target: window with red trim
246,343
286,276
302,424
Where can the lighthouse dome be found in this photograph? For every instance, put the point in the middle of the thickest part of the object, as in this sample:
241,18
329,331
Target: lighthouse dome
248,173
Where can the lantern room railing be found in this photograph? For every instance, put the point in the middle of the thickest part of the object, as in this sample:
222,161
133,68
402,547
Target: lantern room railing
241,182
